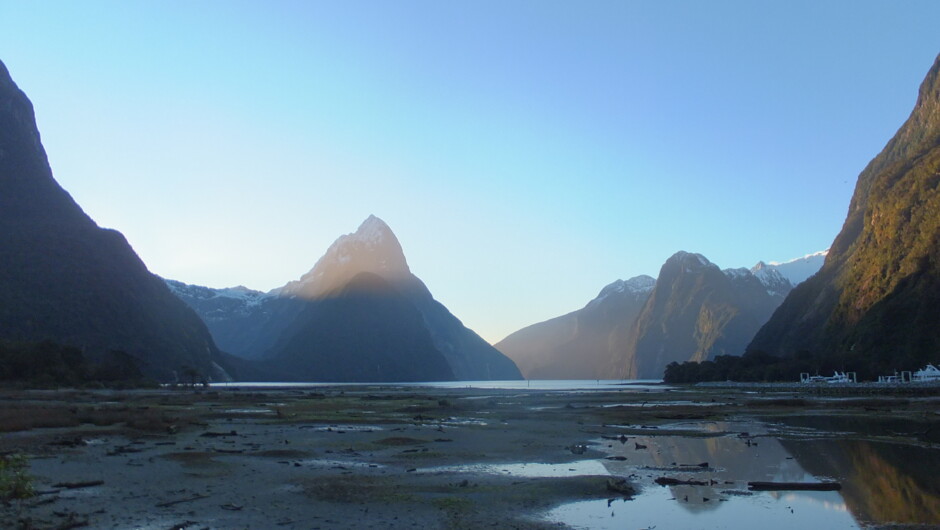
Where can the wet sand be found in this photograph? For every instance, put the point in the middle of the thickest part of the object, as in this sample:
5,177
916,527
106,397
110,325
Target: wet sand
375,456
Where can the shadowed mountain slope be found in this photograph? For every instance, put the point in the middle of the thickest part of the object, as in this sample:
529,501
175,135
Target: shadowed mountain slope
696,312
67,280
580,344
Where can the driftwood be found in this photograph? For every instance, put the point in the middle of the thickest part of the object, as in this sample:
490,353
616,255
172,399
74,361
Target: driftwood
76,485
211,434
669,481
794,486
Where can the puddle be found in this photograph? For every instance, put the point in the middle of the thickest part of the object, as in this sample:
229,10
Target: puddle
527,470
314,462
711,427
462,421
659,507
648,404
342,428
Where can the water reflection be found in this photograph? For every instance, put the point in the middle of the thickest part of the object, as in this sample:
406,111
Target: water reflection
883,482
726,463
656,508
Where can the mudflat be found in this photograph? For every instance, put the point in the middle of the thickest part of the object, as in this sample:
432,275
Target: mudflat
386,456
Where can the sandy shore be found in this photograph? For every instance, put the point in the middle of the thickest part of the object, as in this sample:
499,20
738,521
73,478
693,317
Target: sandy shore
377,456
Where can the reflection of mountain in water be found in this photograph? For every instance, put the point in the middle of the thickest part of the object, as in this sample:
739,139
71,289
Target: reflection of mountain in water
881,482
731,463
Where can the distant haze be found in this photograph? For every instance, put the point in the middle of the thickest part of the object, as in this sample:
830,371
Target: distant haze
526,154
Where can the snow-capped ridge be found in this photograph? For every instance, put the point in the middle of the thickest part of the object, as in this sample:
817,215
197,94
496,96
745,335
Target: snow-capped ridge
820,254
796,270
775,282
638,285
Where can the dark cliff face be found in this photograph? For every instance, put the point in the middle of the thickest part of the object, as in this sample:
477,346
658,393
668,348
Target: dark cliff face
581,344
67,280
877,297
695,313
276,328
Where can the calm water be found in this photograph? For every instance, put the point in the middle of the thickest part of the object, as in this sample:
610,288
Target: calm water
882,482
539,384
725,503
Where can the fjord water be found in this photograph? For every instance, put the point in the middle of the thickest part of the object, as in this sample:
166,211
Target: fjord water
536,384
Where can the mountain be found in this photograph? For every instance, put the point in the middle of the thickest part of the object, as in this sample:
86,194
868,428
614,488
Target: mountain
695,312
243,322
67,280
876,300
796,270
634,328
365,331
579,345
363,275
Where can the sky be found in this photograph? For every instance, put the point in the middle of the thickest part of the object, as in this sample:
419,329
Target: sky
525,153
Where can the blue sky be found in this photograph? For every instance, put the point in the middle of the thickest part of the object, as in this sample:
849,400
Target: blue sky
526,153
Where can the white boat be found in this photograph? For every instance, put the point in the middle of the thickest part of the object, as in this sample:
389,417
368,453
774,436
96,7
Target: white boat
928,373
841,377
836,377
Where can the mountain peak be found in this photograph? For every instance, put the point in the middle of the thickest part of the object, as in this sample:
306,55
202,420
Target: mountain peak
372,248
373,230
689,261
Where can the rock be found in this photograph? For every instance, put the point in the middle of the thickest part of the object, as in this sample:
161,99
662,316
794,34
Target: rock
621,486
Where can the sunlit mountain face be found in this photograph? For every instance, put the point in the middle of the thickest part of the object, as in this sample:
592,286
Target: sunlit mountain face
877,297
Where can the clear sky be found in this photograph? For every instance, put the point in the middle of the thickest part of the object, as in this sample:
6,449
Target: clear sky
526,153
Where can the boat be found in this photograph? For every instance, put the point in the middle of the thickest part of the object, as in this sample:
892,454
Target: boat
836,377
841,377
928,373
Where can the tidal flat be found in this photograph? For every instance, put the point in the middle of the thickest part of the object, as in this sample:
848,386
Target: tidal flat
391,456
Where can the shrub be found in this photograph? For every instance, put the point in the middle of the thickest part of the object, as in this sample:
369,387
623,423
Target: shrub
15,482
